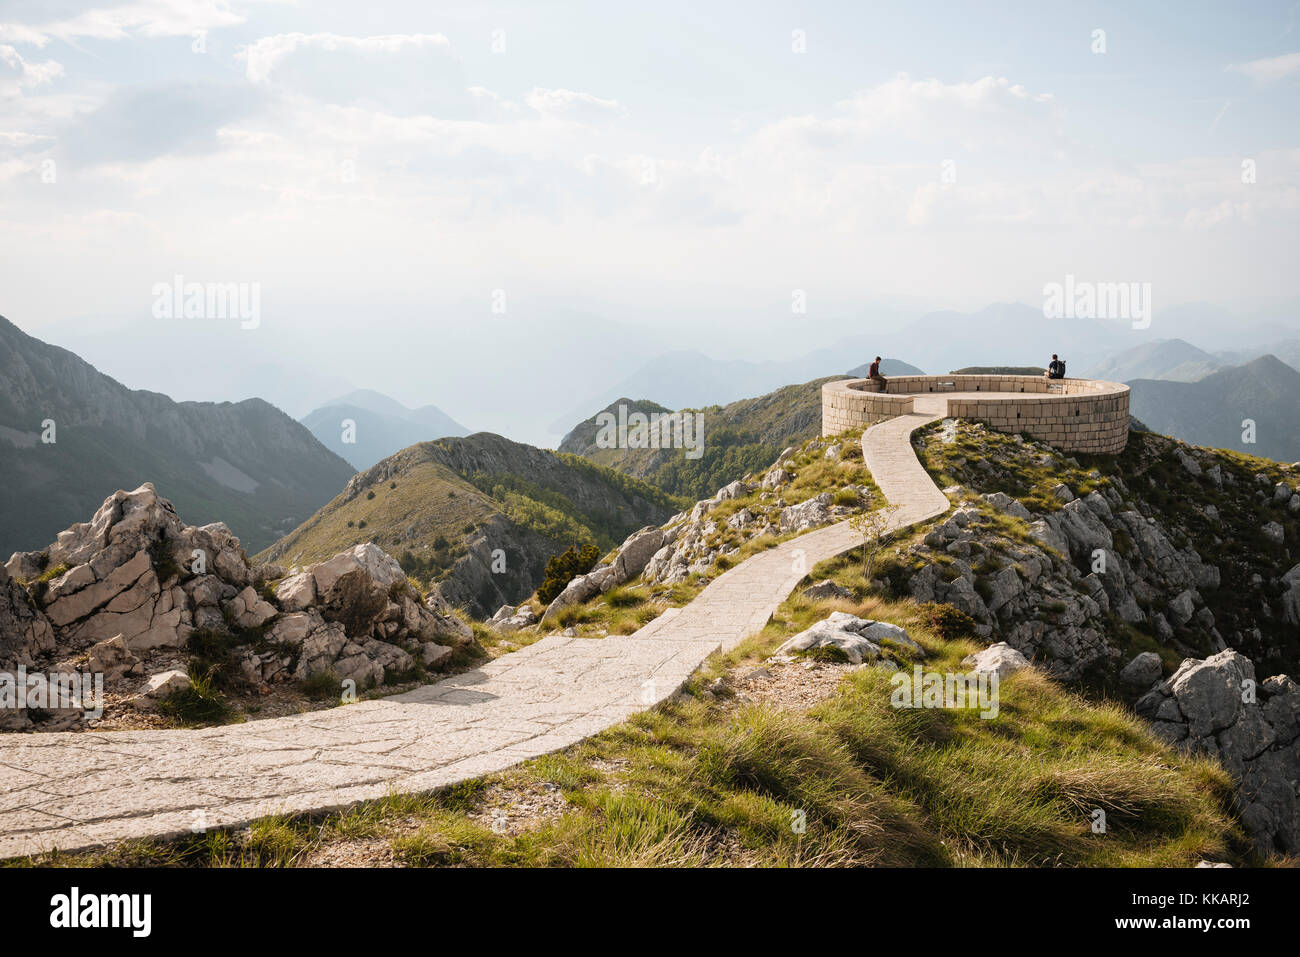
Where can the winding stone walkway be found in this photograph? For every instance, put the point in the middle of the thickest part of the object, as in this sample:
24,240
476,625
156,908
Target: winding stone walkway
77,790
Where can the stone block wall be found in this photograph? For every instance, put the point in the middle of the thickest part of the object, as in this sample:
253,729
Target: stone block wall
852,408
1085,423
1076,415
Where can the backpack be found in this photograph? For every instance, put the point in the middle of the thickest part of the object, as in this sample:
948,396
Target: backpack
1060,368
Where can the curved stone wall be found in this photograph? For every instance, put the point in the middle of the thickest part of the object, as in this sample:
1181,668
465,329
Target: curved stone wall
1077,415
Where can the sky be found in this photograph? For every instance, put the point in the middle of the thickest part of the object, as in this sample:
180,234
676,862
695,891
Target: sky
430,195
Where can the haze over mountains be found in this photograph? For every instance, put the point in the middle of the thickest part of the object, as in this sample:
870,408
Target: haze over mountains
501,372
365,426
249,464
243,463
1173,359
1214,411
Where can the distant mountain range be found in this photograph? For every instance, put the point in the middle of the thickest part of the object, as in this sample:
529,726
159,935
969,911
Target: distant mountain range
1006,334
1213,411
1173,359
243,463
377,426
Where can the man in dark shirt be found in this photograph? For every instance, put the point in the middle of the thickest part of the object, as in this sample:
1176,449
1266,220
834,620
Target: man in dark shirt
874,375
1055,368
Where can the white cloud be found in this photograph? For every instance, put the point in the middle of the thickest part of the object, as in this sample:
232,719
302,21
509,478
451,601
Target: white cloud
571,104
116,21
17,74
1269,69
263,57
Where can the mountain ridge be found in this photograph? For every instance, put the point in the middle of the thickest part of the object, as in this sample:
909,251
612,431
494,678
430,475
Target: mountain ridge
245,463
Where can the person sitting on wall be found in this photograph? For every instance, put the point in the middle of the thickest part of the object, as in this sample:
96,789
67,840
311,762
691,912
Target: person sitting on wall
1055,368
874,375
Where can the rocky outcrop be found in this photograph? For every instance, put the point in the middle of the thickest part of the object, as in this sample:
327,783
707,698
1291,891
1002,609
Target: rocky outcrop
25,633
1215,707
1051,592
690,544
135,583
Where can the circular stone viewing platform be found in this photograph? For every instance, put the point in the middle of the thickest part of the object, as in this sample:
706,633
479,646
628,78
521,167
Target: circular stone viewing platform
1076,415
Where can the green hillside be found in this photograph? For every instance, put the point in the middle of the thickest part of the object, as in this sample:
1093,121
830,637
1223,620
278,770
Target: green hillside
740,437
442,509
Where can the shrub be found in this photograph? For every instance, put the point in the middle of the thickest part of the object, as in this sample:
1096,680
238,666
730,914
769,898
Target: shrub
948,622
200,703
563,568
370,494
322,686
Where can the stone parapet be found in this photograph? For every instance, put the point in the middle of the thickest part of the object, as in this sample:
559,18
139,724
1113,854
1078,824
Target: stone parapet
1076,415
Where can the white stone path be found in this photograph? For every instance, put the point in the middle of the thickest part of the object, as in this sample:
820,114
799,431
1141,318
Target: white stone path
77,790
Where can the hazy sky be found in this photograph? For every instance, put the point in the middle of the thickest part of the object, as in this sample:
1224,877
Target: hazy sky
380,169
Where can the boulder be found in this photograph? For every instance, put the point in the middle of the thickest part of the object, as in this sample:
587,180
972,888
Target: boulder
1209,693
999,659
841,631
736,489
249,610
826,590
159,687
777,477
812,513
581,589
637,550
1143,670
112,658
297,592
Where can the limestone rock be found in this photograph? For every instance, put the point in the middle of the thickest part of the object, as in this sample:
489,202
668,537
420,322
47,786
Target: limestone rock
112,658
25,632
1005,503
297,592
826,590
1143,670
159,687
249,610
812,513
1213,707
1000,659
857,637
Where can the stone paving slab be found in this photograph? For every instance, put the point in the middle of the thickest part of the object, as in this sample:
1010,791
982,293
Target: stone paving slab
74,791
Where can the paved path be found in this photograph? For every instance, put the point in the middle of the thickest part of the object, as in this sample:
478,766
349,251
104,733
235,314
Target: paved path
78,790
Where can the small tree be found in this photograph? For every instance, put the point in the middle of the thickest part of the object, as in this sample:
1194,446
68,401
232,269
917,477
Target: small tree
875,528
563,568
